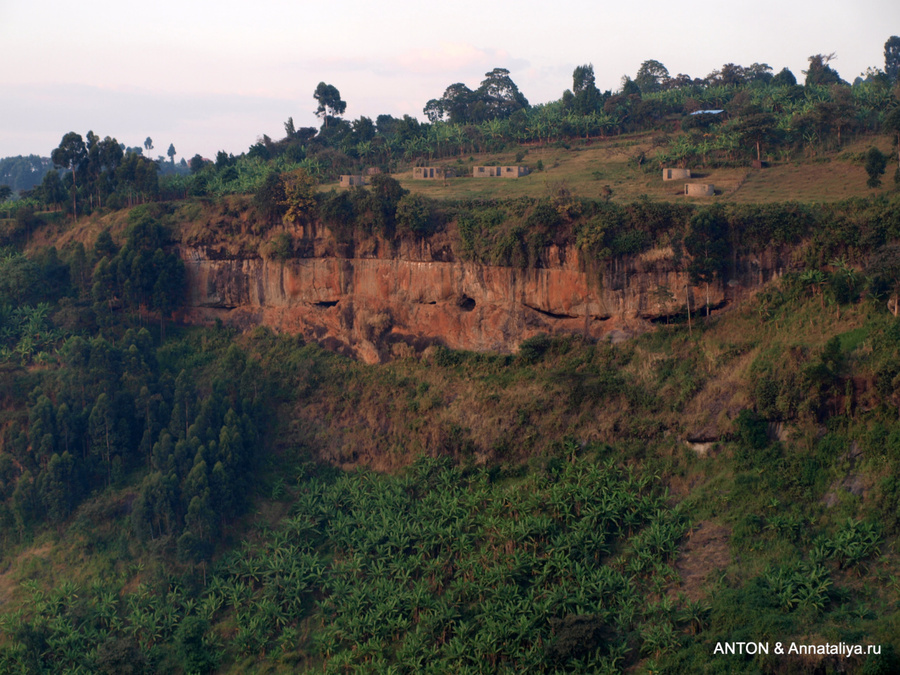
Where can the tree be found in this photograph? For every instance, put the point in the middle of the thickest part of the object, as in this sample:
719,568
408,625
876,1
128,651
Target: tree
707,244
453,107
820,72
148,143
139,175
329,99
299,196
892,59
168,288
629,87
56,486
71,154
289,129
587,98
500,95
270,198
6,192
757,129
784,78
107,436
892,124
758,72
171,152
415,214
651,76
876,162
731,75
197,162
884,276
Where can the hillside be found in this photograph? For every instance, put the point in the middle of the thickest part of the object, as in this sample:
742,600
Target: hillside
587,167
678,430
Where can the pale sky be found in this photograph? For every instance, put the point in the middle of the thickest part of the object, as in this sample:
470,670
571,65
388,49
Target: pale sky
209,76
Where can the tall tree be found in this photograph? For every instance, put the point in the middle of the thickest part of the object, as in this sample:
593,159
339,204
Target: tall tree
171,152
651,76
784,78
587,98
454,106
500,94
820,72
892,58
148,144
707,244
757,129
71,154
330,103
270,198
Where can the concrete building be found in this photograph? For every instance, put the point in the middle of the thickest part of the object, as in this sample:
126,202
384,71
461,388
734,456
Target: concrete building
676,174
699,189
352,179
499,171
433,172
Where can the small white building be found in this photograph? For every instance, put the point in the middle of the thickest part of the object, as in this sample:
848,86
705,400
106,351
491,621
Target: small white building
676,174
699,189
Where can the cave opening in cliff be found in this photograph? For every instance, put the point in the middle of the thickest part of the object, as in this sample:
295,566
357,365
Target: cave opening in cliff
465,303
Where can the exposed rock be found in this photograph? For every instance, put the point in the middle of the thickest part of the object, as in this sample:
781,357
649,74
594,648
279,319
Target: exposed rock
420,295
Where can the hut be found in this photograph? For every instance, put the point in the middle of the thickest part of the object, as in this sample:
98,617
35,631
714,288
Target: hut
699,189
676,174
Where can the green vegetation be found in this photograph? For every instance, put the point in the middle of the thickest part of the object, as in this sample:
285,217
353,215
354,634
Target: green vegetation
518,547
192,500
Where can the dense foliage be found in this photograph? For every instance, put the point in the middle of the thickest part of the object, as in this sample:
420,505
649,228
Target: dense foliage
732,115
170,502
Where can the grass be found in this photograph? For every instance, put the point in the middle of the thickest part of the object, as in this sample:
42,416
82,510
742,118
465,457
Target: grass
639,400
587,168
508,413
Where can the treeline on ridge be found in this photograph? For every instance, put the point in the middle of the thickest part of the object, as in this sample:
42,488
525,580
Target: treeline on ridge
733,115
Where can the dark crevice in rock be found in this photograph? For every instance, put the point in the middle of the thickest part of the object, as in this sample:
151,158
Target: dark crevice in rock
553,315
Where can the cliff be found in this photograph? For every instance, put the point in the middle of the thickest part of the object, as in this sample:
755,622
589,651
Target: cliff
378,302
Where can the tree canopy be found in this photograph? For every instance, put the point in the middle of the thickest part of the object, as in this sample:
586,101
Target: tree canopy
820,72
497,97
329,100
892,58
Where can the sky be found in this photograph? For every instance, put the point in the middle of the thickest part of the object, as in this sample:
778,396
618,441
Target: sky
208,76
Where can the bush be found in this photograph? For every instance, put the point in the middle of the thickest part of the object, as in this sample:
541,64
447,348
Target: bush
415,216
876,162
752,430
533,349
281,246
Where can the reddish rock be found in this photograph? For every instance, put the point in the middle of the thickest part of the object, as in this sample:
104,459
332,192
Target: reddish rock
422,296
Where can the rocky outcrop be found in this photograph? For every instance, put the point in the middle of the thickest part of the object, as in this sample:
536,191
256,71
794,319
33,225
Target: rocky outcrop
377,304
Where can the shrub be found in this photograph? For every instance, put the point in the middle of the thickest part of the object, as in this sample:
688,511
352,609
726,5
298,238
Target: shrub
415,215
876,162
533,349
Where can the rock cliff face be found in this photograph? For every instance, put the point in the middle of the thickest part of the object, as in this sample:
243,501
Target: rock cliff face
378,304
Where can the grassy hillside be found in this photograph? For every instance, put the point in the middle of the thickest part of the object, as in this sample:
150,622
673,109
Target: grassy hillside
785,518
573,507
626,166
